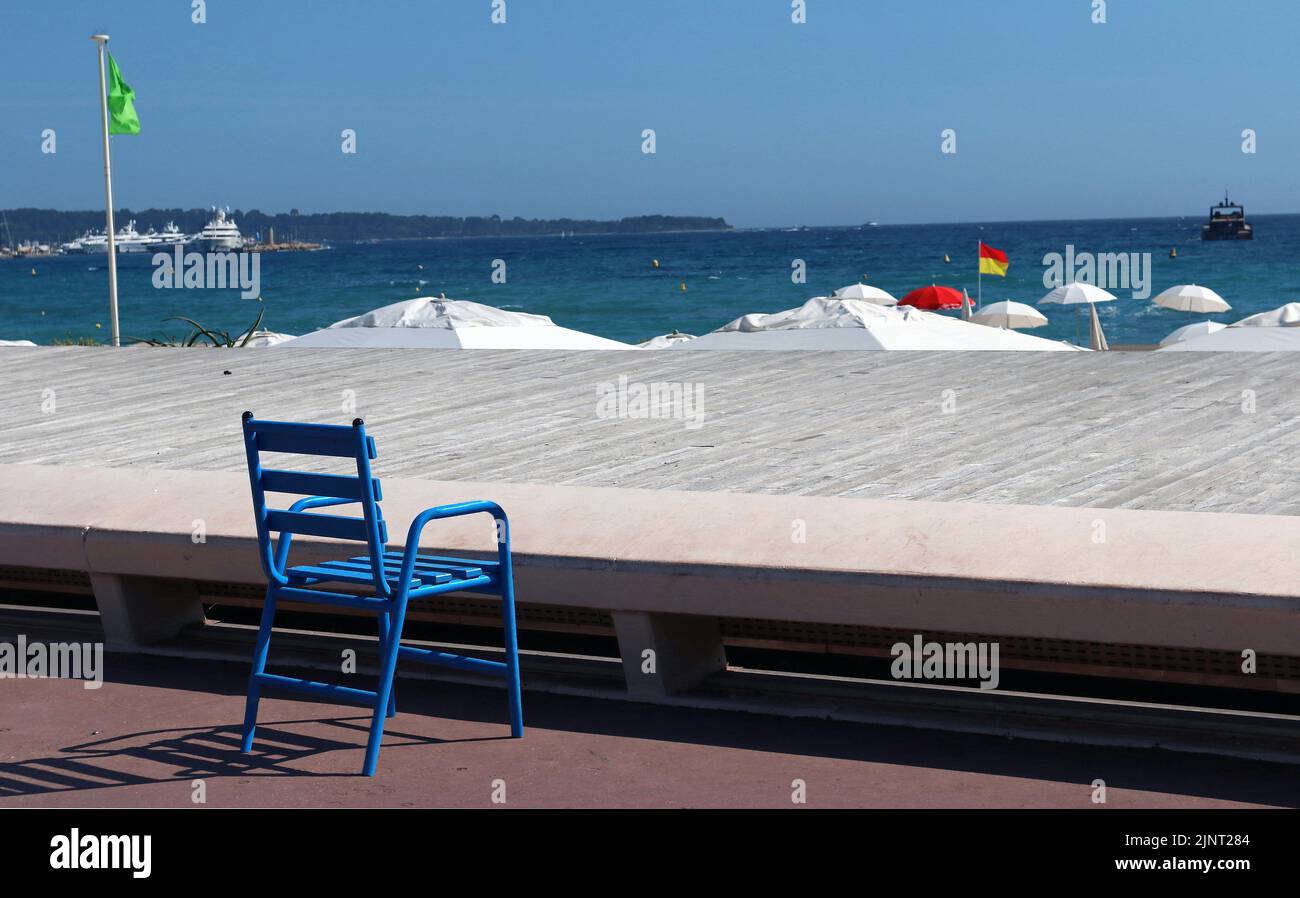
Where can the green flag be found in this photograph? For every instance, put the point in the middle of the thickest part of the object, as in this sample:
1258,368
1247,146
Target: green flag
121,102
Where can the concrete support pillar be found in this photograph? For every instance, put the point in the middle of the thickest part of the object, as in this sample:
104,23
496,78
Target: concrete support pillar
135,611
667,653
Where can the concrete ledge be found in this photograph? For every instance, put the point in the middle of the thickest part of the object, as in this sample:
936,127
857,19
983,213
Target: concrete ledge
1195,580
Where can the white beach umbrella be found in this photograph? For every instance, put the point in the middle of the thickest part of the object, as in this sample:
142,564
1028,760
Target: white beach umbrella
866,293
1096,336
1192,298
666,340
428,323
1192,332
833,324
1077,294
1010,315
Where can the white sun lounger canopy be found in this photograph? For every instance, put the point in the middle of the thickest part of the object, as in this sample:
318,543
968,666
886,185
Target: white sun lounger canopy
1283,316
1277,330
846,324
428,323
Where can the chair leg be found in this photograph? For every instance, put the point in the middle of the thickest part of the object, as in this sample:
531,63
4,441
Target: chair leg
512,656
384,626
387,669
259,666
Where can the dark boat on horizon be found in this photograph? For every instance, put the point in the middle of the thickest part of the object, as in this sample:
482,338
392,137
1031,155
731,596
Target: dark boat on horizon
1227,222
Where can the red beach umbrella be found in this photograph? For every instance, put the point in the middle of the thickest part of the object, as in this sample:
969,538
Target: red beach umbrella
933,297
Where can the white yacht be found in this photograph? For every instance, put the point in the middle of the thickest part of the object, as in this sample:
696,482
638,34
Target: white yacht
79,245
129,240
126,240
168,238
219,235
93,242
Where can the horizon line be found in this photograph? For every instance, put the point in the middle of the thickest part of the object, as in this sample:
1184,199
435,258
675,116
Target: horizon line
773,227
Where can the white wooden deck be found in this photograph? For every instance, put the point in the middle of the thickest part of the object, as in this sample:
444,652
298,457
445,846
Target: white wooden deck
1122,430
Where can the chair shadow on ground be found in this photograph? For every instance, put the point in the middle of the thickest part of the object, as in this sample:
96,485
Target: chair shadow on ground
196,753
283,749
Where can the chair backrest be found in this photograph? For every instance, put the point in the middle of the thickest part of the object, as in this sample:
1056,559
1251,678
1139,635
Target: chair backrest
325,440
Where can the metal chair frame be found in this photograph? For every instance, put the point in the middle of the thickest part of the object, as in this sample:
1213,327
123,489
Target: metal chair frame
387,581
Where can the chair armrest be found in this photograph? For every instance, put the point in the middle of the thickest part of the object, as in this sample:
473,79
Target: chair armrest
282,544
458,509
319,502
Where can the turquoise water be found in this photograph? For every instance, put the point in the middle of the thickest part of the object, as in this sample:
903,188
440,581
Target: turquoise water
608,286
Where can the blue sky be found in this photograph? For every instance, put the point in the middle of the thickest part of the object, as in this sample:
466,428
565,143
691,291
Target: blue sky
765,122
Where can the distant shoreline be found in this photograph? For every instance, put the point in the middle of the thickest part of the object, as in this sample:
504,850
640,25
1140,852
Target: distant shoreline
55,226
35,225
566,236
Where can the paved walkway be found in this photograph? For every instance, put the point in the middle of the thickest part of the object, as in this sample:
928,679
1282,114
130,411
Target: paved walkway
134,743
1116,430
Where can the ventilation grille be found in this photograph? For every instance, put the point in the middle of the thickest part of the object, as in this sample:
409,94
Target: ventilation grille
1016,651
44,579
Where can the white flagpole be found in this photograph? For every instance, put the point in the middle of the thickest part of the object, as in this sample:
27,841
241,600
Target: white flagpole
102,41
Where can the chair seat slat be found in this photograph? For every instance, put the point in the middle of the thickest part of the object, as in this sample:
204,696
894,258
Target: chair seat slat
350,572
459,568
482,564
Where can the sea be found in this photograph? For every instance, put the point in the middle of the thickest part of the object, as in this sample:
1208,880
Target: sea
612,286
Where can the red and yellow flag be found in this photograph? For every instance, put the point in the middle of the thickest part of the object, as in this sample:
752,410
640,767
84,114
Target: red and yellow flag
993,261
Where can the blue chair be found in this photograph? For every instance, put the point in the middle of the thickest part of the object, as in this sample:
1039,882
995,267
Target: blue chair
383,582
